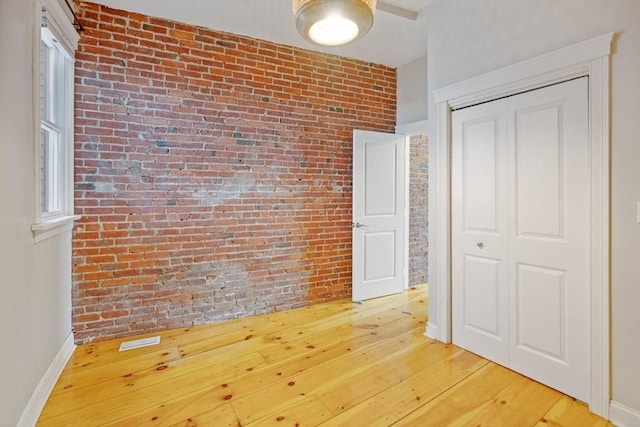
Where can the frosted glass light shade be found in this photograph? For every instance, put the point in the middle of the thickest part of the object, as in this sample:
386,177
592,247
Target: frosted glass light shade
333,22
333,31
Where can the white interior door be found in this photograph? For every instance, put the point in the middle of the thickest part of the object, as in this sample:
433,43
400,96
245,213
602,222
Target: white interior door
379,223
480,231
520,187
549,246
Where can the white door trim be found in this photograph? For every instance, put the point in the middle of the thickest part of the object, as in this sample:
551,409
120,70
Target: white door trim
409,129
589,58
407,206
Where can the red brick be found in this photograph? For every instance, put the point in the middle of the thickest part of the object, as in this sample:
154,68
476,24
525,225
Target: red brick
213,176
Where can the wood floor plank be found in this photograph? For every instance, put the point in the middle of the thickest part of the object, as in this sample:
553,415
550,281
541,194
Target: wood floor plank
371,324
191,343
430,383
221,416
248,383
303,323
334,364
352,390
88,355
523,403
460,403
569,412
73,379
287,391
306,412
369,413
399,400
97,410
213,364
176,410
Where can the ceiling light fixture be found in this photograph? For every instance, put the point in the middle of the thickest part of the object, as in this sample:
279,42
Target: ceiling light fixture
333,22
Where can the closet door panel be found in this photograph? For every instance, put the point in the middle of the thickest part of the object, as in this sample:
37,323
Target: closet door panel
549,243
480,231
539,171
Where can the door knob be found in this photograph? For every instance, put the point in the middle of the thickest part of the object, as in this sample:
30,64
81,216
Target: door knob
358,225
480,245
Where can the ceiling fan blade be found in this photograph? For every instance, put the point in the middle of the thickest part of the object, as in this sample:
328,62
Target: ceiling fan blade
395,10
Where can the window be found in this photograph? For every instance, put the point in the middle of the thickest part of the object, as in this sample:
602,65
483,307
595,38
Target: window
52,124
54,116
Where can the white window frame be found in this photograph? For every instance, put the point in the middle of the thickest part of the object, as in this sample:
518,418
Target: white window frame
54,26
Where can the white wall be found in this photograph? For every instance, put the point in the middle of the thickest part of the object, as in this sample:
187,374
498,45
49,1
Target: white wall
412,92
35,286
471,37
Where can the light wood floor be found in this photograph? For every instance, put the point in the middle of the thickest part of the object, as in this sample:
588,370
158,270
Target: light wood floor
333,364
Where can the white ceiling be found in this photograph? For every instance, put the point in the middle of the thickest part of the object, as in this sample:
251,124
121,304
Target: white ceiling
393,40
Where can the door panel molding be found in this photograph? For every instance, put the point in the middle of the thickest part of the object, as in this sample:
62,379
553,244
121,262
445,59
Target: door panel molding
535,218
529,280
589,58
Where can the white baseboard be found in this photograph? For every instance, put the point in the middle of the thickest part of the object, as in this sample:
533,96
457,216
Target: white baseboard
623,416
432,331
39,397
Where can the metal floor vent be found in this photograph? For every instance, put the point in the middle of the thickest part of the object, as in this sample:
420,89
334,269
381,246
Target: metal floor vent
142,342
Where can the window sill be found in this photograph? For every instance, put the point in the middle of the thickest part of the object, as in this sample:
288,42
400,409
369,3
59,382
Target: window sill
45,230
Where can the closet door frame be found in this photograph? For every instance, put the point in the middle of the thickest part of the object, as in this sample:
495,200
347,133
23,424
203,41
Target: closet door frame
590,58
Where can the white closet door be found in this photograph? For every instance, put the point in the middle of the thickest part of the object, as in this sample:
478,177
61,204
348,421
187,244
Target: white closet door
520,234
549,247
480,230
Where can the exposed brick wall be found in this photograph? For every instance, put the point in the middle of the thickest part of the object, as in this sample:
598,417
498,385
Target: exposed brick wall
418,209
213,173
